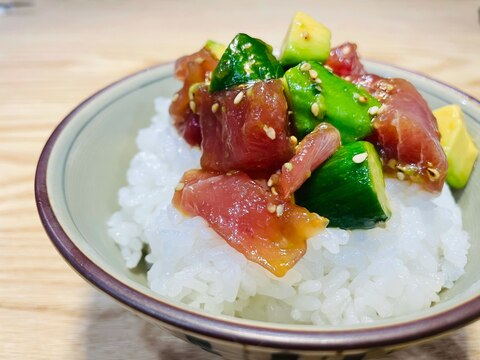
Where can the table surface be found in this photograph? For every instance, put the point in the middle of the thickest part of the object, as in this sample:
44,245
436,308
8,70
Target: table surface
53,54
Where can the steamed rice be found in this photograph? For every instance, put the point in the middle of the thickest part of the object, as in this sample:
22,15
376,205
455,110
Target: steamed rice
346,277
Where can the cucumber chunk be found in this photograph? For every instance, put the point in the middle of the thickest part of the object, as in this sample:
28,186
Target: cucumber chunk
348,189
315,95
245,60
306,39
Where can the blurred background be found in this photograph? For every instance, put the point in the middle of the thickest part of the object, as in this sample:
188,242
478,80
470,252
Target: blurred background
54,54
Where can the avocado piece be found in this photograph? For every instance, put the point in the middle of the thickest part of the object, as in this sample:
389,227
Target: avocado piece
245,60
458,145
315,94
215,48
306,39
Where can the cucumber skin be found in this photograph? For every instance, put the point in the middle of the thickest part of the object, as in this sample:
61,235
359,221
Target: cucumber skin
343,191
231,68
336,101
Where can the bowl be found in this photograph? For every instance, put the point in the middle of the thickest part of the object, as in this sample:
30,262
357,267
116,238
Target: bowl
84,164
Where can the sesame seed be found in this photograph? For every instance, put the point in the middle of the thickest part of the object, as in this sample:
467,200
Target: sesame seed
362,99
313,74
293,140
238,98
359,158
215,107
199,60
348,78
392,163
179,186
305,67
373,110
319,88
279,210
175,97
318,80
433,174
271,208
273,190
269,131
315,109
400,175
270,182
304,35
346,50
288,166
328,68
247,45
193,105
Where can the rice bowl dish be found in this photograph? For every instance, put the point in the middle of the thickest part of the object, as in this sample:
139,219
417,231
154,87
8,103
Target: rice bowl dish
258,189
346,276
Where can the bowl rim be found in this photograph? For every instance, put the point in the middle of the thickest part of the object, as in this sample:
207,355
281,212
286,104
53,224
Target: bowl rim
228,329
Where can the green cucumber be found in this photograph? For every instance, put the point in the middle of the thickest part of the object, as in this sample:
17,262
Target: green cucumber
245,60
306,39
348,188
310,86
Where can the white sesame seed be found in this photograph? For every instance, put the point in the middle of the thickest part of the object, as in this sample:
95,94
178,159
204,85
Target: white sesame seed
346,50
193,106
288,166
433,174
179,186
215,107
279,210
373,110
392,163
270,182
304,35
175,97
362,99
271,208
305,67
293,140
199,60
348,78
318,80
400,175
328,68
359,158
247,45
270,132
238,98
315,109
319,88
313,74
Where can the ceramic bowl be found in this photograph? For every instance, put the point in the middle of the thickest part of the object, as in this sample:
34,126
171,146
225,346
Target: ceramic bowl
84,164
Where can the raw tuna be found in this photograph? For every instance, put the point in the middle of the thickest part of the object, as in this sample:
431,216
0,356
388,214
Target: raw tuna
406,132
266,229
245,128
190,69
312,151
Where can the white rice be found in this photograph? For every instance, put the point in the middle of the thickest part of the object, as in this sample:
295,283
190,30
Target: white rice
346,277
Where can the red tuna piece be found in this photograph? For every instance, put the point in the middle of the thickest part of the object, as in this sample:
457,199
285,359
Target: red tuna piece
312,151
190,69
245,128
406,132
266,229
